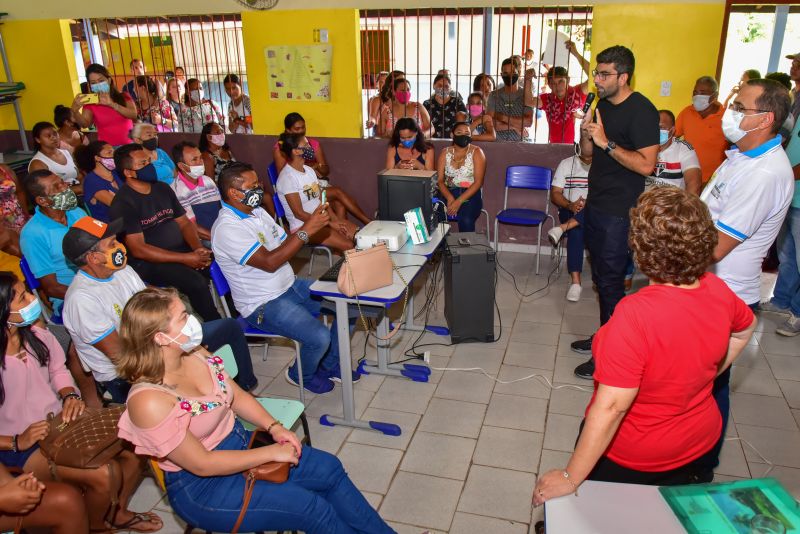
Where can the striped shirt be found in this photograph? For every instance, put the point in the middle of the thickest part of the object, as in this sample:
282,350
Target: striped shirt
672,162
572,175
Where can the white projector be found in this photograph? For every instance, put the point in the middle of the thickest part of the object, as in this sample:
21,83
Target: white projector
393,233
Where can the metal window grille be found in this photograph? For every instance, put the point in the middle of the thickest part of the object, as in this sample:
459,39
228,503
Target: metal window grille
468,42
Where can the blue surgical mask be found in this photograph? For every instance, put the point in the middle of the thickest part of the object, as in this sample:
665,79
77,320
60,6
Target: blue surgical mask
101,87
663,137
408,143
29,314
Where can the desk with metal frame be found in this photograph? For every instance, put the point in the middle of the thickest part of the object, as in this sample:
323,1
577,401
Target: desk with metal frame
410,260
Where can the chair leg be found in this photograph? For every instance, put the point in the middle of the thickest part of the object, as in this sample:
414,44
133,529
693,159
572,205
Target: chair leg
495,236
304,422
538,248
266,350
311,262
299,371
488,239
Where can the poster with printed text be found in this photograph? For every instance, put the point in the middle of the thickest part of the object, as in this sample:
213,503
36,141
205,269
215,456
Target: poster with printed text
299,72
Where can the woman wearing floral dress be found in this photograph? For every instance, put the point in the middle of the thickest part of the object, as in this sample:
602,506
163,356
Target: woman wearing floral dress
198,110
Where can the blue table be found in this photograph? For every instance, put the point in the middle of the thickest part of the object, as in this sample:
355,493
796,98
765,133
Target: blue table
410,260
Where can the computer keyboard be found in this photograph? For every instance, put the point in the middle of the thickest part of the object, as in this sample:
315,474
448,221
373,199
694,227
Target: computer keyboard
332,274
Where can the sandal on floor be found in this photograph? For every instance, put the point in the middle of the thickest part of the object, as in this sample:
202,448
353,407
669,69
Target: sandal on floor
138,518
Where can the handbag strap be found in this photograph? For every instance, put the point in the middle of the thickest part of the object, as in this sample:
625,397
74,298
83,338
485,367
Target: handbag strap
248,494
400,321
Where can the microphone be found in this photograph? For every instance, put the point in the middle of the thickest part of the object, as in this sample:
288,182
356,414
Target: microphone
588,104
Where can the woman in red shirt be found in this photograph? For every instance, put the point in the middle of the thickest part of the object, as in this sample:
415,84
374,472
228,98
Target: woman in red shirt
652,416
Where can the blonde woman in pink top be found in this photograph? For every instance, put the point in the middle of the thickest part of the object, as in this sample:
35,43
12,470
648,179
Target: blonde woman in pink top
34,381
182,410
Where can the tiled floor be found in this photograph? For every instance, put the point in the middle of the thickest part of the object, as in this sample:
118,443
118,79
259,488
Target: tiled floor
470,450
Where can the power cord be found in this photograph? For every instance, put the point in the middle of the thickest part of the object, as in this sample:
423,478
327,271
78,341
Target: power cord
543,379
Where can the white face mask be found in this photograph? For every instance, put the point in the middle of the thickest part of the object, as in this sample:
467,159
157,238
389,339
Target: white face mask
730,125
196,171
701,102
196,94
193,331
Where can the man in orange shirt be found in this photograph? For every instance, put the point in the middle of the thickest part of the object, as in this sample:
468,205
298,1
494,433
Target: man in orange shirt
701,126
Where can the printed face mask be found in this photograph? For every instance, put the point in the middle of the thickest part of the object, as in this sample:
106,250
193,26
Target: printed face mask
252,197
308,153
65,200
108,163
116,258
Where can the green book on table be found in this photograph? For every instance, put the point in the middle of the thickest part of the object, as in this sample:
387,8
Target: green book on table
760,505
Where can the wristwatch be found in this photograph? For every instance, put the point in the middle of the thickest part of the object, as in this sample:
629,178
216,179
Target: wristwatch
610,146
303,236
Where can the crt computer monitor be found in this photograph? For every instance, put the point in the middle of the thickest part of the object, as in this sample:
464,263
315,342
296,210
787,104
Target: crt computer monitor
401,190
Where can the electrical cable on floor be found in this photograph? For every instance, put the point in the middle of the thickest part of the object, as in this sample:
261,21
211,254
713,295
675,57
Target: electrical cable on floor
543,379
766,461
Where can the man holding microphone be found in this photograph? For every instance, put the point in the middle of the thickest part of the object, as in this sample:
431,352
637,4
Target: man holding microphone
623,138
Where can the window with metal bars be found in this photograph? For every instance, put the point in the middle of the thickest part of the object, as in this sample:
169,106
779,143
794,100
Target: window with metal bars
468,43
174,51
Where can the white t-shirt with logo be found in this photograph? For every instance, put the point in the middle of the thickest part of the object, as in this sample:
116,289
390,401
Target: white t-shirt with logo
92,310
290,180
672,162
572,175
748,197
235,237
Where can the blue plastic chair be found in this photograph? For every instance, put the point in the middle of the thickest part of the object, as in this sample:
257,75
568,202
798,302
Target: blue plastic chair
272,172
36,285
280,214
530,177
220,285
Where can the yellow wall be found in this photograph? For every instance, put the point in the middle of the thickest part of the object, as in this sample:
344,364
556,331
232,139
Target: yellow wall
674,42
341,117
40,55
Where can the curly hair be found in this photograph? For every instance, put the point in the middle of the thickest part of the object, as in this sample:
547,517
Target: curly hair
672,236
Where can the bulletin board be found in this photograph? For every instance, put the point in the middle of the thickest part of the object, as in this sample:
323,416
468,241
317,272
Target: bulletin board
299,72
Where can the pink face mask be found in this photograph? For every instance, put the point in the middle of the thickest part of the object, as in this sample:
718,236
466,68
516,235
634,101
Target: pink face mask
475,109
404,97
218,139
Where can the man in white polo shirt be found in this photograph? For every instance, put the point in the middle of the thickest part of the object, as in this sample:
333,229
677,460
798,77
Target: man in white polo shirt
748,197
253,253
97,295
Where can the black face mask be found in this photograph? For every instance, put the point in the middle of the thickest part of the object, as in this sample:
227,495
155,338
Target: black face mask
462,140
151,144
510,79
252,197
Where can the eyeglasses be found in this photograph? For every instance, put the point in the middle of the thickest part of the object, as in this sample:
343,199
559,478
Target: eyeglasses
738,108
604,75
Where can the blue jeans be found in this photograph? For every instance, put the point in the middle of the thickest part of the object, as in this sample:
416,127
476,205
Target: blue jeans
318,497
722,395
228,332
607,241
469,211
575,242
294,315
787,287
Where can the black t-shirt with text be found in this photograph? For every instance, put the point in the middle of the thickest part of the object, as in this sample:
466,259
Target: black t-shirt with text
631,124
152,215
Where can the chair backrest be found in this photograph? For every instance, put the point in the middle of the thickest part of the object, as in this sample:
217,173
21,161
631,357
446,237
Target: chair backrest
31,280
280,213
226,353
220,285
529,177
272,172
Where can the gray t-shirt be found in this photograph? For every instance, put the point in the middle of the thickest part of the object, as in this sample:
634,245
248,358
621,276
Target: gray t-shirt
511,104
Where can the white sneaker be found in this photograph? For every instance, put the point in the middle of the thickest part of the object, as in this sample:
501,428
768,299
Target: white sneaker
554,235
574,293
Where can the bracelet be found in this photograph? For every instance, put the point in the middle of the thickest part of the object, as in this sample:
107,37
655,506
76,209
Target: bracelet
271,425
68,395
574,487
14,444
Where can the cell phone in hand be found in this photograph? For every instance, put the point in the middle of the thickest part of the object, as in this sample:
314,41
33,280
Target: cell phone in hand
91,98
324,196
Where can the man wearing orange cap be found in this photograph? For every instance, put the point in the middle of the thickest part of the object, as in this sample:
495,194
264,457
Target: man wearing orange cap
97,295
